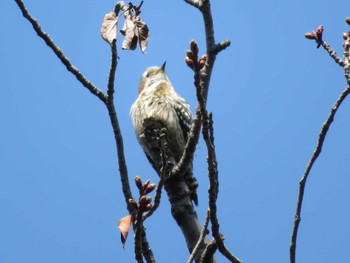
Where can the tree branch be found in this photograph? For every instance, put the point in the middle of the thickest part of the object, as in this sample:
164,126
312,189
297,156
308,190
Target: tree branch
116,129
317,36
321,138
212,50
71,68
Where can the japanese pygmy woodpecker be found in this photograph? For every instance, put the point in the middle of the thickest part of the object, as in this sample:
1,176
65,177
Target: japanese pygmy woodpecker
159,106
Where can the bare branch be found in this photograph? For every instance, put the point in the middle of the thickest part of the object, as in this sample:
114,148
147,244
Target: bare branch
208,135
317,35
116,129
71,68
333,54
212,50
347,56
316,153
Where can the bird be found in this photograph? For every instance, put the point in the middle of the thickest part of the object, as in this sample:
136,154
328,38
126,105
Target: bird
159,106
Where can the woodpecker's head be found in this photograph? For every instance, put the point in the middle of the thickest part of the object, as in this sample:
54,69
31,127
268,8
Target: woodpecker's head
151,76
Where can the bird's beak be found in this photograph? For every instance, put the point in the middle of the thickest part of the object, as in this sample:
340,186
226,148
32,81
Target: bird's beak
163,66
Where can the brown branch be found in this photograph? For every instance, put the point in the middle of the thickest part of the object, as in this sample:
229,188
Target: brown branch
333,54
317,35
106,99
212,50
202,80
141,244
70,67
139,229
208,136
321,138
347,57
116,129
146,249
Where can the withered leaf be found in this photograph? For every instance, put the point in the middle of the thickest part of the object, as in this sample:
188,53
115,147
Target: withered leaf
130,33
143,33
109,27
124,228
135,31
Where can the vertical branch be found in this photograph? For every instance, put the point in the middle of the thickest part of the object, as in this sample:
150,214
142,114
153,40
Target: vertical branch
139,229
201,80
212,50
208,136
116,129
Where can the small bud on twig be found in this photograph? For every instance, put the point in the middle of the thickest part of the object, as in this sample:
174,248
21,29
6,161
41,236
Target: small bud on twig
189,62
145,185
310,35
194,47
150,188
145,200
138,182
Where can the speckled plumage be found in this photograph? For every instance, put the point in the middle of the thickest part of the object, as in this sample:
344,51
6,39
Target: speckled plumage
159,106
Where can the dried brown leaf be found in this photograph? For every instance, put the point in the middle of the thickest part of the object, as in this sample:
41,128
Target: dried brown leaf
109,27
124,228
130,33
143,33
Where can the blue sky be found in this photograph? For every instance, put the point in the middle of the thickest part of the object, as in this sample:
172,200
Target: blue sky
271,90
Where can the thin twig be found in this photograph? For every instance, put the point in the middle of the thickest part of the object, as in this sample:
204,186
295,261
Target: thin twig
70,67
316,153
201,238
333,54
208,136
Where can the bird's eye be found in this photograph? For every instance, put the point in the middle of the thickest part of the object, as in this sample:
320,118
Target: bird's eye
148,75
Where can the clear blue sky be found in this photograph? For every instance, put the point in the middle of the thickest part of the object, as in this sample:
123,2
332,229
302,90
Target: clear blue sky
60,193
